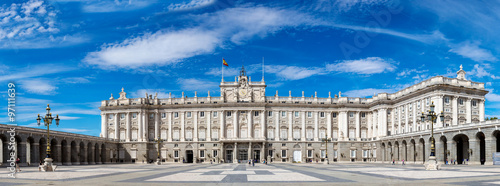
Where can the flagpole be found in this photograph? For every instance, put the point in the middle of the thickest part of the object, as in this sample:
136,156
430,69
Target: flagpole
262,69
222,67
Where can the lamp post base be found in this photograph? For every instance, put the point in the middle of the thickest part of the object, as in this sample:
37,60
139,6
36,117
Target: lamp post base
48,165
326,162
432,164
158,162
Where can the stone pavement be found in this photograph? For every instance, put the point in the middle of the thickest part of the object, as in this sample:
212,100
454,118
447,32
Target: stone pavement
243,174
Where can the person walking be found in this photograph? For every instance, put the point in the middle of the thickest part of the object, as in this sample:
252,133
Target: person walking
403,161
18,161
253,163
393,162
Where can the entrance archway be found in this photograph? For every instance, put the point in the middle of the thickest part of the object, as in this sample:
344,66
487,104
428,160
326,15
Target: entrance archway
405,151
445,148
422,143
383,152
414,152
482,147
497,136
462,142
189,156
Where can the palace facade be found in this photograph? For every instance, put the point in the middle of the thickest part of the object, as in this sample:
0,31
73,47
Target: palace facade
243,123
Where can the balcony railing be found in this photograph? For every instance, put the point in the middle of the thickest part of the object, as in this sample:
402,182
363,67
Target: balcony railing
215,139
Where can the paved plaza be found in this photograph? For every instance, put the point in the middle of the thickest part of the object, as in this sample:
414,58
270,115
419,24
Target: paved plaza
243,174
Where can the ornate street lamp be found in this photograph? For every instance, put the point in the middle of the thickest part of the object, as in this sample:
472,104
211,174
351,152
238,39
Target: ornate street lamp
47,121
432,117
158,142
326,152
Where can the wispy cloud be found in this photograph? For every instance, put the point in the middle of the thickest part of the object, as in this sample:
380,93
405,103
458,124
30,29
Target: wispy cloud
472,51
368,92
71,130
34,71
162,93
193,84
194,4
370,65
294,72
100,6
480,71
38,86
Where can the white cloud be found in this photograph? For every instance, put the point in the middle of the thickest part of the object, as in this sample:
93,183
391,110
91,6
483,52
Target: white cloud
194,4
472,51
228,71
407,72
214,30
68,118
370,65
368,92
480,72
100,6
492,97
38,86
34,71
70,130
162,93
293,72
193,84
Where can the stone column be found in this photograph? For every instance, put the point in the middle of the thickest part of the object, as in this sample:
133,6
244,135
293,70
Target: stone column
439,150
358,127
145,127
140,123
169,135
77,162
329,124
57,151
250,157
439,108
85,155
221,154
454,109
468,110
277,128
393,122
407,116
250,124
303,129
452,146
28,154
316,125
208,133
104,128
414,117
92,158
157,125
195,123
182,126
36,153
235,159
481,109
263,148
399,119
369,124
235,124
117,126
263,124
68,155
128,132
490,143
222,124
475,157
21,153
290,127
375,123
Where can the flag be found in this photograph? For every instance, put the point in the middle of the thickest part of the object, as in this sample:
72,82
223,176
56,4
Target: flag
224,62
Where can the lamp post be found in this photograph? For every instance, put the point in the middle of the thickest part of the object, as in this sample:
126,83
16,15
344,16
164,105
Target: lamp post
47,121
158,142
326,152
432,164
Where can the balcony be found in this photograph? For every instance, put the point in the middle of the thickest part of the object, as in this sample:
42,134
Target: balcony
296,139
352,139
215,139
201,139
310,139
270,138
189,139
175,139
283,139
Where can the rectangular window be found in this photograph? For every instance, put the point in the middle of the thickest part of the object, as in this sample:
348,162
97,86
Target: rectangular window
270,133
256,113
176,154
228,114
202,153
447,100
256,133
283,114
123,115
334,115
188,114
270,113
270,153
215,114
322,114
163,115
309,114
353,153
201,133
323,153
283,153
309,133
296,114
163,134
363,133
474,103
365,153
229,133
296,134
176,135
418,104
134,115
335,133
110,116
215,133
189,134
202,114
176,114
215,153
151,116
309,153
243,133
283,134
428,100
461,101
134,135
351,114
364,115
322,133
410,107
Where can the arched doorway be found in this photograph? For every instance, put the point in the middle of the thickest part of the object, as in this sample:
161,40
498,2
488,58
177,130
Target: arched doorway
482,147
462,142
42,144
74,153
30,151
54,152
4,148
383,152
414,150
97,156
405,151
189,154
396,151
90,154
445,148
82,153
422,143
103,153
497,136
64,152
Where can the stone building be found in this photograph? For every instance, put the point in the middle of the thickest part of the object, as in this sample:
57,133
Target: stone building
242,123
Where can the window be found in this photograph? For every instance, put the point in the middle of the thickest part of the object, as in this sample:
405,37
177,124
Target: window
270,153
163,115
256,113
363,114
123,115
228,114
176,145
188,114
270,113
461,101
176,154
229,133
202,153
176,135
353,153
202,145
335,133
202,114
176,114
215,114
309,145
323,153
243,133
447,100
110,116
365,153
151,116
428,101
215,153
283,144
283,153
410,107
215,145
363,133
351,133
201,133
351,114
309,114
256,133
309,153
334,115
134,115
283,133
270,133
163,134
189,134
322,114
283,114
296,134
215,133
309,133
474,103
134,135
322,133
296,114
418,104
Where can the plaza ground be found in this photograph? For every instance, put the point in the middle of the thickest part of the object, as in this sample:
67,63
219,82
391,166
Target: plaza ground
260,174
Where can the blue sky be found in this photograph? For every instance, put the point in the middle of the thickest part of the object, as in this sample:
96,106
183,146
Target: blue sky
75,53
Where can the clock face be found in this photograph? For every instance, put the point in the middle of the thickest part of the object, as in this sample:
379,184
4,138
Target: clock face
243,92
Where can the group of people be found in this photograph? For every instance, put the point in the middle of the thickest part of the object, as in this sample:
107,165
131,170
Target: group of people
402,162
